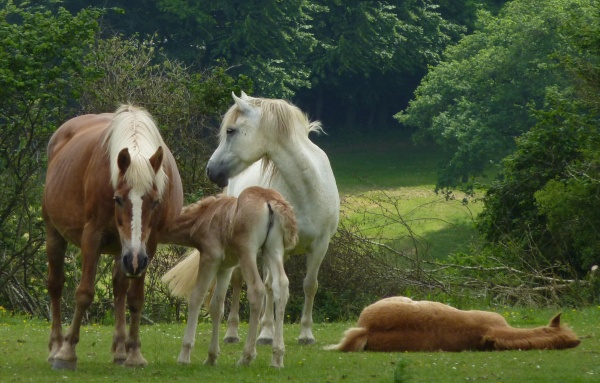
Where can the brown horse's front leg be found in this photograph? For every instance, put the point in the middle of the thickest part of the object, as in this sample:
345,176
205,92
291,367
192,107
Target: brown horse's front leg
135,300
120,286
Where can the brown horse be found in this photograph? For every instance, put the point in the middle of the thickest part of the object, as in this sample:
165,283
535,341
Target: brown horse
401,324
112,186
229,231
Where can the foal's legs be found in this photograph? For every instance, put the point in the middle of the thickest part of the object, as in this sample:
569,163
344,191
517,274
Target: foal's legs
233,320
56,246
206,273
313,262
266,321
216,309
256,296
273,256
66,358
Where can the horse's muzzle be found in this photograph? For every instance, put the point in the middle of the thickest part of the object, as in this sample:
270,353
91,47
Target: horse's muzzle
135,265
220,178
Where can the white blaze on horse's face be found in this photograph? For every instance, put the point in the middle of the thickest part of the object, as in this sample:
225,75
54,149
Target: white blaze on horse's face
242,144
134,216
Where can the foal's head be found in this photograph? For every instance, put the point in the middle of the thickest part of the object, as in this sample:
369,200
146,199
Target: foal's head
136,154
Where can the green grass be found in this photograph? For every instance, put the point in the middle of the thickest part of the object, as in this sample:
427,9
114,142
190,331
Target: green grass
373,173
24,352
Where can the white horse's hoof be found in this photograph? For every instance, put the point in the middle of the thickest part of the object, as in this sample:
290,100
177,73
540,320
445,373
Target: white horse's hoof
306,341
231,339
60,364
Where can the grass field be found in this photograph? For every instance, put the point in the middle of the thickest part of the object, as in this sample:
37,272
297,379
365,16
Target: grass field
24,352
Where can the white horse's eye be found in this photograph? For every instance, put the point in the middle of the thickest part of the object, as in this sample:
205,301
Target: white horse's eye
230,131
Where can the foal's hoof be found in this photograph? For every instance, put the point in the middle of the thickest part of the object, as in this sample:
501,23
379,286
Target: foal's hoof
231,339
59,364
306,341
265,341
119,361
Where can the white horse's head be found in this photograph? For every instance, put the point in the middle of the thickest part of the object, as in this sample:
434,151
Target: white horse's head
250,129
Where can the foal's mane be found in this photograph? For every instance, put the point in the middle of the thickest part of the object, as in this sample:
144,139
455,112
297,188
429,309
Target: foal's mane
280,118
133,128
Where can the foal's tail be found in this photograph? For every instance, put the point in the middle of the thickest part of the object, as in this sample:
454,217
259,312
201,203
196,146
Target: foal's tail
355,339
181,279
287,218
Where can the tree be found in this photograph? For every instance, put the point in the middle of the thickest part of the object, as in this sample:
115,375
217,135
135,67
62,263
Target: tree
545,200
480,97
41,75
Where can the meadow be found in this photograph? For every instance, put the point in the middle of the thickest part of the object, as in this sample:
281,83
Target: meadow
368,171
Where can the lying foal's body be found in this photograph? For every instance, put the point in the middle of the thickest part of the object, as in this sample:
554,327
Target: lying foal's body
401,324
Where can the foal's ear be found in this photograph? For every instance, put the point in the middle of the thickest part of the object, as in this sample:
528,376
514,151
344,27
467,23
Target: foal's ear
157,159
241,103
555,322
123,160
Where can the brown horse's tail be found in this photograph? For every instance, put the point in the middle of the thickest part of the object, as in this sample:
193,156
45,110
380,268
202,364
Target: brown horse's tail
355,339
287,218
181,279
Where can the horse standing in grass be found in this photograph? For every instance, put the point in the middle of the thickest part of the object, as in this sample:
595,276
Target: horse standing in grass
229,231
277,132
111,187
401,324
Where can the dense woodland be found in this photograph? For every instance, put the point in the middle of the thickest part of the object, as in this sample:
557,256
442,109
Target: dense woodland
508,88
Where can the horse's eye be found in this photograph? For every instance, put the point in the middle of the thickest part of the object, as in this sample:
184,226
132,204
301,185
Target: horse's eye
230,131
155,203
118,200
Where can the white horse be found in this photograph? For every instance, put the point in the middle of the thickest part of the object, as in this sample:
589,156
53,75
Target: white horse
276,132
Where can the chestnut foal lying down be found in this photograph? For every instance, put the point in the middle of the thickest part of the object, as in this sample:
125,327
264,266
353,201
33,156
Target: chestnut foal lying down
401,324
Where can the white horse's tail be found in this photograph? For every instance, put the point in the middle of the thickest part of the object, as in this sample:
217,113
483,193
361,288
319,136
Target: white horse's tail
181,279
287,219
355,339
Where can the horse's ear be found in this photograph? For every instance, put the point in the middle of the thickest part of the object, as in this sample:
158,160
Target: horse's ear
244,96
157,159
123,160
555,322
245,108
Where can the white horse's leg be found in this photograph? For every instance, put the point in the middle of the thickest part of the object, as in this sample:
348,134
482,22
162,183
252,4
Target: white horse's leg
206,273
256,296
233,320
266,322
216,314
280,295
311,284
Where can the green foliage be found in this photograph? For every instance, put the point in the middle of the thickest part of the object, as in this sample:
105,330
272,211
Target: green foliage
41,74
479,98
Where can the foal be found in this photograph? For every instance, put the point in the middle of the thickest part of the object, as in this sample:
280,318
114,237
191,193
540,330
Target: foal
401,324
227,232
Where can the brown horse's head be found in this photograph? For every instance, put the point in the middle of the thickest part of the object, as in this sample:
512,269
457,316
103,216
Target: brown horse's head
135,213
139,181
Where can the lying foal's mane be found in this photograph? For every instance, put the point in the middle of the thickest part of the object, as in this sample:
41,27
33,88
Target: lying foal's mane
134,129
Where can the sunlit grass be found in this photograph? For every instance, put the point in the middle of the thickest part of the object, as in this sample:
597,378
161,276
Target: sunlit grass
24,352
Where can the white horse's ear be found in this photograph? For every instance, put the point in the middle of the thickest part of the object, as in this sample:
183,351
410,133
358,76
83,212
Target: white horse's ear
245,108
244,96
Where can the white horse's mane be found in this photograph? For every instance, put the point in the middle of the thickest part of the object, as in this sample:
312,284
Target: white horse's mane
280,118
133,128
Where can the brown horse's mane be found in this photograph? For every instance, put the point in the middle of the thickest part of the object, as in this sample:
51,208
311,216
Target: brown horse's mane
134,129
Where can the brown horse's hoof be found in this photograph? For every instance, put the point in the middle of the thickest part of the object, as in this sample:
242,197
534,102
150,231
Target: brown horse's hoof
265,341
59,364
119,361
231,339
